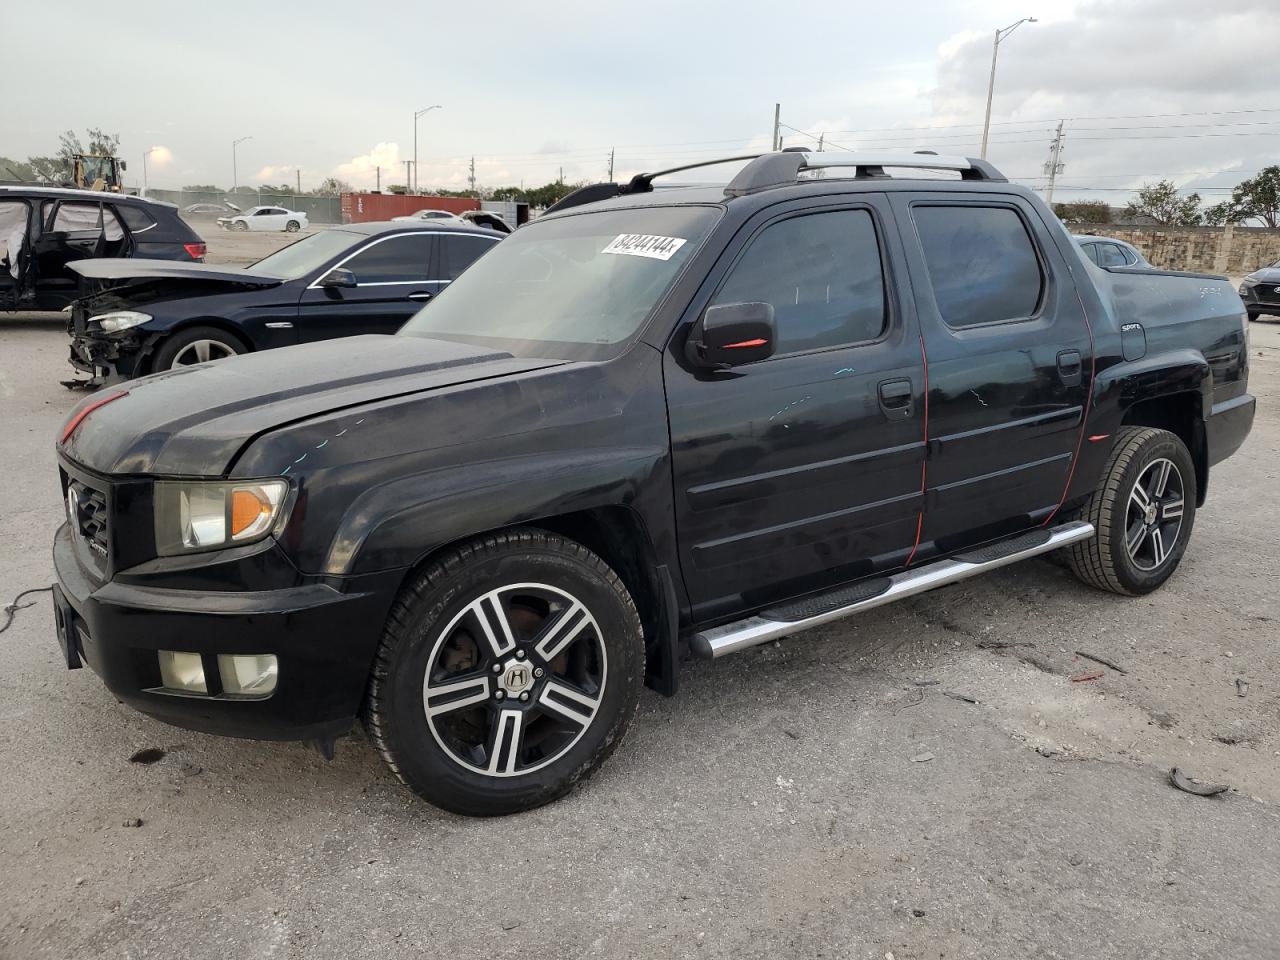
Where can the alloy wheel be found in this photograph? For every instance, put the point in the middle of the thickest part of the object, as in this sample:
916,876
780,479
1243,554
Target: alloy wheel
1153,519
514,679
202,351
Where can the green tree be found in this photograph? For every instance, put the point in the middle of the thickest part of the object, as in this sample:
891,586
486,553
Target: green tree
202,188
332,186
1085,211
1257,198
17,170
1165,205
58,166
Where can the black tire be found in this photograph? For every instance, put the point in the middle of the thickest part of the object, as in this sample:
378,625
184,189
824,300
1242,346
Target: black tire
240,227
1116,510
1254,314
292,227
435,638
181,348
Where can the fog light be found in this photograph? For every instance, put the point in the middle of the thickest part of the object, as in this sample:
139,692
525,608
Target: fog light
182,671
252,675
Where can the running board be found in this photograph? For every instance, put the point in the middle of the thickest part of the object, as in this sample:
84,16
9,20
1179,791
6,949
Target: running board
783,621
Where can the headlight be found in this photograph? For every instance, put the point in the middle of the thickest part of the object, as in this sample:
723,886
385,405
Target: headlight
205,516
119,320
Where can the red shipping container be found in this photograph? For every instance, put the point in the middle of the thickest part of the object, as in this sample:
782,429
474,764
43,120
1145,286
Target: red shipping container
364,207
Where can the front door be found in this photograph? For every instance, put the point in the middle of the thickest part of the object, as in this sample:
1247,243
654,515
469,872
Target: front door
803,470
1010,359
393,281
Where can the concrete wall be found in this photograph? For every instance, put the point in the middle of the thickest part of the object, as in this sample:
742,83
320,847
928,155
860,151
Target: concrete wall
1232,251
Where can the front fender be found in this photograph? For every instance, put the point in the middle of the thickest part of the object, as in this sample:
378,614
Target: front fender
398,523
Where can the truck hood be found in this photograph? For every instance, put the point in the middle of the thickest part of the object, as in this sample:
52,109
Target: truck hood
195,420
142,269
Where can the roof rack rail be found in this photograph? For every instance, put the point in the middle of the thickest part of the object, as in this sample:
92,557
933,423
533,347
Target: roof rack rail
785,167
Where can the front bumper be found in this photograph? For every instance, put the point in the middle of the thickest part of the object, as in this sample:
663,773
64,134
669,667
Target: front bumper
324,637
109,359
1261,297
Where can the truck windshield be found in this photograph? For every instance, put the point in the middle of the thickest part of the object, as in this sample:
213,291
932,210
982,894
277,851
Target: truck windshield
310,253
573,288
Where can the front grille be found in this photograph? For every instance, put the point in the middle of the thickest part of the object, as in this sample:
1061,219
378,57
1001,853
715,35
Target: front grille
89,515
1267,292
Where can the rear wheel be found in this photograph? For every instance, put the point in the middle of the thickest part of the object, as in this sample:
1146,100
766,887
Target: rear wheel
509,670
1143,511
195,345
292,227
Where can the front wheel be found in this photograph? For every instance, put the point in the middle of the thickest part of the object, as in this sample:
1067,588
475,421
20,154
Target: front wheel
1143,511
240,226
292,227
195,345
508,671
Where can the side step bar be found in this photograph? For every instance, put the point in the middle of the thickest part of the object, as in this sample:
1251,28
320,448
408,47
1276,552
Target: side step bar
769,625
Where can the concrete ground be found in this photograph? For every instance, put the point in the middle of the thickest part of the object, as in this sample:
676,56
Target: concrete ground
828,796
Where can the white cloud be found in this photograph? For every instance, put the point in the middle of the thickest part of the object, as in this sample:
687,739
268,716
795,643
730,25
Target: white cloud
362,171
274,173
159,156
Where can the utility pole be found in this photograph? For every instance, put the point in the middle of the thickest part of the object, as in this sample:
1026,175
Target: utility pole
472,176
821,137
609,179
561,179
1054,166
777,128
408,177
299,173
991,81
378,173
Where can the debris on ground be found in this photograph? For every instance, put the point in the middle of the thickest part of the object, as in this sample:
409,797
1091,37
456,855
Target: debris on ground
147,755
12,609
133,822
1242,687
1191,785
922,757
962,697
1002,644
1102,660
1086,677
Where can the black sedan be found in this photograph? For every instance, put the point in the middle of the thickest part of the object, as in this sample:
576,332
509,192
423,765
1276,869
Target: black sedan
364,278
1260,291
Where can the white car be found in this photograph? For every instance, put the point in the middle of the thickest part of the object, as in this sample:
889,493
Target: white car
442,215
265,218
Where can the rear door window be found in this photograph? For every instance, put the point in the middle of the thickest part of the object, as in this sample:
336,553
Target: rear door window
402,259
823,275
982,264
456,253
1110,255
1090,251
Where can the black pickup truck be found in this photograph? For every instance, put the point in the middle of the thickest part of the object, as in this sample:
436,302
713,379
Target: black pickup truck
654,423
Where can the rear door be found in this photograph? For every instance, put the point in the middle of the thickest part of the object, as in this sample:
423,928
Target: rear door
393,281
1009,354
453,253
802,470
73,230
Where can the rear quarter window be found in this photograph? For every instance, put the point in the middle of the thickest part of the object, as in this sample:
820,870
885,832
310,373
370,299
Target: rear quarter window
982,264
459,252
135,218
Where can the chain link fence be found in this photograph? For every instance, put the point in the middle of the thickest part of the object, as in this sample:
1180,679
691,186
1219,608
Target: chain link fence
319,209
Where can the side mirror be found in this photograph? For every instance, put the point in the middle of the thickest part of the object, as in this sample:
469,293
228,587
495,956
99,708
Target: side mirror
731,334
338,277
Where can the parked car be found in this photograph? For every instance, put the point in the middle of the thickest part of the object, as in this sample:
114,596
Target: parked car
483,218
362,278
648,423
44,229
209,211
1260,291
1109,252
429,215
265,218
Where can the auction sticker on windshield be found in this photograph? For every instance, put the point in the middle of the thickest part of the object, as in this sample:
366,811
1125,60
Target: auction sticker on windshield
644,245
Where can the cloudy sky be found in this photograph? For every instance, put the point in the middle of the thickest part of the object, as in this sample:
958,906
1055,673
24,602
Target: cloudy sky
1181,89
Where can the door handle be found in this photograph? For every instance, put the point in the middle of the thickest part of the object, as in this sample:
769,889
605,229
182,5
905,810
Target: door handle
897,399
1069,367
420,295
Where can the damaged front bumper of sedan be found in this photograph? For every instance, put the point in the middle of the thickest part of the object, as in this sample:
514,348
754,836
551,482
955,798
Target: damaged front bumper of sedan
107,356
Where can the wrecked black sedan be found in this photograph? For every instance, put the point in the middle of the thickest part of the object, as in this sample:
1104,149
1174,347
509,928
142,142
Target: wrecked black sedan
147,316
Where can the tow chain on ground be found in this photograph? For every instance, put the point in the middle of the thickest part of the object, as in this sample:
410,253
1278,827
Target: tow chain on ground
12,609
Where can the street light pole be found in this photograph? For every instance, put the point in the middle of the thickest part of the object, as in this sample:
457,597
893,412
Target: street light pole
235,176
991,81
416,115
144,169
